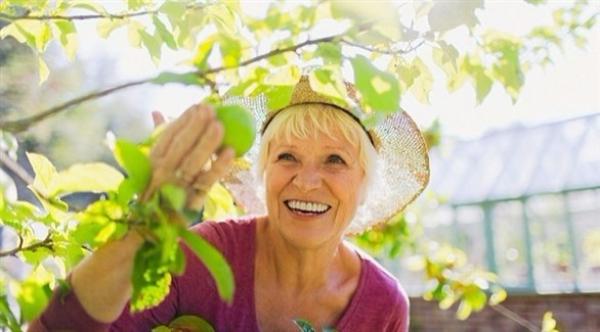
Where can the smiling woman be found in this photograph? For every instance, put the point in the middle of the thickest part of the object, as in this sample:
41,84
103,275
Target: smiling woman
316,161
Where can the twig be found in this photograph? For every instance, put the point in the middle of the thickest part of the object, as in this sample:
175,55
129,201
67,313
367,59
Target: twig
14,167
74,17
20,125
515,317
88,16
46,243
17,126
383,51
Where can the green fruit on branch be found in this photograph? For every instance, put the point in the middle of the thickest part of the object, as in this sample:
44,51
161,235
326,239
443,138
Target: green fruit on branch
190,323
239,125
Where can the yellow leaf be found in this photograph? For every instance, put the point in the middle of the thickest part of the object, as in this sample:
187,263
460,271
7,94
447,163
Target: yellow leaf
108,25
219,204
497,297
43,70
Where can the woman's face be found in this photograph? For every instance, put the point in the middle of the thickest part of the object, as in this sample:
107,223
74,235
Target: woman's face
313,188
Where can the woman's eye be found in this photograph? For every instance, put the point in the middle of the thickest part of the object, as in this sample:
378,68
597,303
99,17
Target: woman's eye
286,156
335,159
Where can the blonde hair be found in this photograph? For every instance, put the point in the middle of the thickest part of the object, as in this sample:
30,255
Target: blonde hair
306,120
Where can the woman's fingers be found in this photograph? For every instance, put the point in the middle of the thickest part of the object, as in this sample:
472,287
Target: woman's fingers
193,164
206,179
183,131
158,118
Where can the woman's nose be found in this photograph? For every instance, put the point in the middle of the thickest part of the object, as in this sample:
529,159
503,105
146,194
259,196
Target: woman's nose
307,179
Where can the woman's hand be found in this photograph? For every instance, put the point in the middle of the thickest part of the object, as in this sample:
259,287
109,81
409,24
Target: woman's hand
187,154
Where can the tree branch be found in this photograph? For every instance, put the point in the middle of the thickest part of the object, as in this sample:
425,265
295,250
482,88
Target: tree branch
515,317
20,125
45,243
15,168
383,51
88,16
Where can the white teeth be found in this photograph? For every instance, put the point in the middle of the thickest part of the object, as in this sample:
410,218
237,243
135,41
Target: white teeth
307,206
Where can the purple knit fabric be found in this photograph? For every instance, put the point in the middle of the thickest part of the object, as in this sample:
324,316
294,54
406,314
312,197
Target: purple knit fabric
379,303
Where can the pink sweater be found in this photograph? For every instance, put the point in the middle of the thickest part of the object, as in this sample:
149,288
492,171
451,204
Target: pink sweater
379,303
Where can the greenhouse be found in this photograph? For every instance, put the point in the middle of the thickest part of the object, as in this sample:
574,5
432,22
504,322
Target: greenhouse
523,202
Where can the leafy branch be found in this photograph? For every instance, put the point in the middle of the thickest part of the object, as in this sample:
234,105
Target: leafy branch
45,243
20,125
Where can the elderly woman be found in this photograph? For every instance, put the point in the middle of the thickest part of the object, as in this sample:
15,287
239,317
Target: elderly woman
325,176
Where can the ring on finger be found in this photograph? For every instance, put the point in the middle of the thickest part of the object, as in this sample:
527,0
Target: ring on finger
182,176
199,189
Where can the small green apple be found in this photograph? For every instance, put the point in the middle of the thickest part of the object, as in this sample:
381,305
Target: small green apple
239,125
190,323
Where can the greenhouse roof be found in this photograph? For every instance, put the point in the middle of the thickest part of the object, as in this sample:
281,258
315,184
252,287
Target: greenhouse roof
519,161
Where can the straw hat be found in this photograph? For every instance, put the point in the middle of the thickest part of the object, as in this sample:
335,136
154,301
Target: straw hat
402,171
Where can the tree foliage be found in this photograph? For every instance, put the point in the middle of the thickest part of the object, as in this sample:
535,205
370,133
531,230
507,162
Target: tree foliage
388,50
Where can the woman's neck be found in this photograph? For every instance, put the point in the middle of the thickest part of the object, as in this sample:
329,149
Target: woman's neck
299,269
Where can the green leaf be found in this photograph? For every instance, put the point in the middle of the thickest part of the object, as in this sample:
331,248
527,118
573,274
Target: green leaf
92,177
88,5
330,52
278,96
483,85
175,11
164,34
137,4
231,50
44,72
150,277
288,75
7,318
214,262
497,296
464,310
44,172
447,15
135,163
423,83
379,90
134,28
507,68
475,297
223,18
548,322
36,256
304,325
185,78
219,203
33,296
445,57
106,26
378,20
203,51
173,196
68,37
152,44
42,37
329,82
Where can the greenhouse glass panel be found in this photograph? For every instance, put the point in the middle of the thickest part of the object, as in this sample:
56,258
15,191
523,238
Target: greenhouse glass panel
510,244
585,216
552,256
470,235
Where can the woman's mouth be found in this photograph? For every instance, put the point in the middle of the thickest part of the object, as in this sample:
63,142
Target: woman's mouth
306,207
